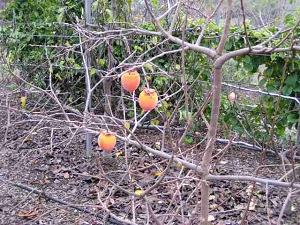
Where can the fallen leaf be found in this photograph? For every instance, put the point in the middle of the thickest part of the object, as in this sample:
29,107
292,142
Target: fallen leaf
66,175
156,173
223,162
28,214
212,197
46,180
179,165
213,206
23,101
27,139
138,192
211,218
157,145
119,153
240,206
249,189
252,206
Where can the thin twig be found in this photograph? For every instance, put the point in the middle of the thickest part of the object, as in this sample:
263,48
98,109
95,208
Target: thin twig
244,23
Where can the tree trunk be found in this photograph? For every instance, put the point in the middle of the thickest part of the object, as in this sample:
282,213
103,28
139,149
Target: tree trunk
210,143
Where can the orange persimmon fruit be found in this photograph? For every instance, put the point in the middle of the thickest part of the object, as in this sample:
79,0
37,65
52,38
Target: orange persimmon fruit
107,140
148,99
131,80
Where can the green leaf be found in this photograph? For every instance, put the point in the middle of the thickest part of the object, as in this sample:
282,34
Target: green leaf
95,5
188,139
101,62
297,89
247,63
76,66
280,129
228,45
149,67
165,104
182,115
262,82
137,48
12,86
58,76
293,118
291,80
92,71
71,60
154,40
154,122
155,3
289,18
110,15
60,14
233,121
287,90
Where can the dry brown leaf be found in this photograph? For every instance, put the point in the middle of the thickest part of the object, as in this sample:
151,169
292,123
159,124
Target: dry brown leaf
252,206
156,173
66,175
28,214
213,206
212,197
211,218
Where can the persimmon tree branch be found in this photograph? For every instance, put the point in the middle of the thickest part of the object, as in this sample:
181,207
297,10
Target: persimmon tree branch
167,12
207,21
175,17
194,117
216,99
244,24
225,33
204,50
258,49
240,178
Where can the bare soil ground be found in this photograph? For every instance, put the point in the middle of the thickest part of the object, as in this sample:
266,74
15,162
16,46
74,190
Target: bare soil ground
45,156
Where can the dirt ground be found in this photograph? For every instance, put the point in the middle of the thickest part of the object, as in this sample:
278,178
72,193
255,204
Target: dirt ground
45,156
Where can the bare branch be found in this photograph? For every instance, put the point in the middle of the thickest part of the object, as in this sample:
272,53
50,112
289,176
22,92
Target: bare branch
204,50
175,17
195,116
208,19
167,12
252,179
244,23
285,206
223,40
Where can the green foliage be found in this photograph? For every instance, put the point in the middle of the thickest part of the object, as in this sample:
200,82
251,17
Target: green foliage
33,25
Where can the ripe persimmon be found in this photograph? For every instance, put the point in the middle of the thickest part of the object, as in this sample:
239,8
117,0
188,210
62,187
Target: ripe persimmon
148,99
107,140
131,80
